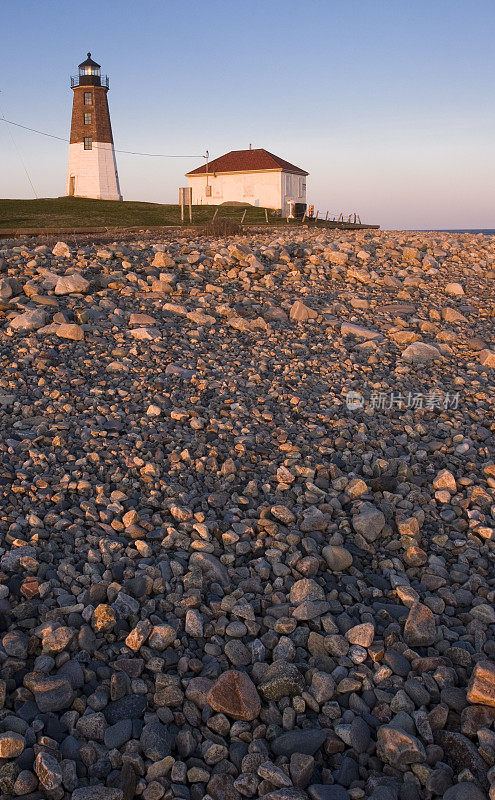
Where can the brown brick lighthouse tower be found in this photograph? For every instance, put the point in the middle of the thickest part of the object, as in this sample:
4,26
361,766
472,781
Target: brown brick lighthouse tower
92,170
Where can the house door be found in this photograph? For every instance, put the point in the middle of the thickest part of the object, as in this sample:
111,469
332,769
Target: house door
72,185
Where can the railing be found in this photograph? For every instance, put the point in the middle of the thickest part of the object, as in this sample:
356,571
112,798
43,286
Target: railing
89,80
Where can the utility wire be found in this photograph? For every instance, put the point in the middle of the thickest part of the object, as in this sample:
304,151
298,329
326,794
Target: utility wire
20,156
63,139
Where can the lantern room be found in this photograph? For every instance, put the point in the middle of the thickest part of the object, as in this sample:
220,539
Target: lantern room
89,74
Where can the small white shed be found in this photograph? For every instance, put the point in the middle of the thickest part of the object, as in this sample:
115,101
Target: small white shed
254,177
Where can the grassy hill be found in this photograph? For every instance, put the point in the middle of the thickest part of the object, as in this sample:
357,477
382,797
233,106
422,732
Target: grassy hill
79,212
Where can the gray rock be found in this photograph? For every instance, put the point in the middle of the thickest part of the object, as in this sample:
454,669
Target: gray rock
92,726
338,558
117,735
53,693
48,771
132,706
320,791
68,284
464,791
420,352
307,741
157,741
211,566
281,680
369,522
420,629
399,748
28,321
97,793
460,753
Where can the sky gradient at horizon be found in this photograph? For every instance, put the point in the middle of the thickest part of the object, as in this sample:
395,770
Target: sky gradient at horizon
388,105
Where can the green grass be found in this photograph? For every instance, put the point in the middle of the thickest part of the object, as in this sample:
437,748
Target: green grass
78,212
71,213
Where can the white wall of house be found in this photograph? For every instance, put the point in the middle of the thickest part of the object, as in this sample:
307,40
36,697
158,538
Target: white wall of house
94,171
267,188
256,188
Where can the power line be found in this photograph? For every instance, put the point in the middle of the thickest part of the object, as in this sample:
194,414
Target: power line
20,156
42,133
63,139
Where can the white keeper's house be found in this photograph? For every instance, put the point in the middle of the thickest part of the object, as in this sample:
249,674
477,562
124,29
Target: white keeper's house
254,177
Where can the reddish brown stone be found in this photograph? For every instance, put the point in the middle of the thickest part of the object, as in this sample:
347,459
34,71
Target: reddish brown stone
235,694
104,618
481,687
376,651
362,635
420,629
30,587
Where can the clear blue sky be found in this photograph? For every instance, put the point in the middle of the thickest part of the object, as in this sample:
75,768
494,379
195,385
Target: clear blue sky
387,103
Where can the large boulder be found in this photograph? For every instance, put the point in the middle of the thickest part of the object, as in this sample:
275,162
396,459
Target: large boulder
28,321
69,284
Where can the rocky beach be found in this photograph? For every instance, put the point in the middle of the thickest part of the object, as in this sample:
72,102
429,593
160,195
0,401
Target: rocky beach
247,517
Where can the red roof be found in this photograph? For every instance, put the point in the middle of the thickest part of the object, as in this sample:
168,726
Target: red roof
247,161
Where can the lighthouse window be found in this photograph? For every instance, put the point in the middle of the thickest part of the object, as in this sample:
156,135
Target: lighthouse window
88,143
88,98
87,119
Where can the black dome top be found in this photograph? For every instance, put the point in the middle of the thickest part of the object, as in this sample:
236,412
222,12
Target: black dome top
90,63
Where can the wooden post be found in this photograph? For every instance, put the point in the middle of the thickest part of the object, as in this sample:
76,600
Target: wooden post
326,216
216,212
316,218
243,215
190,206
266,215
304,217
181,209
207,159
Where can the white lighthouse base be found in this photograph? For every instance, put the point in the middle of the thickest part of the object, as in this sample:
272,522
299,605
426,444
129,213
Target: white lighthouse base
93,173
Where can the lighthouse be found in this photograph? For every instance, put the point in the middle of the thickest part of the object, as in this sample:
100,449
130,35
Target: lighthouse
92,169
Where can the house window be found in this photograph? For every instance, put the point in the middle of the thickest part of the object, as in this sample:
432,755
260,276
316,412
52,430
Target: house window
88,99
88,119
208,191
88,143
